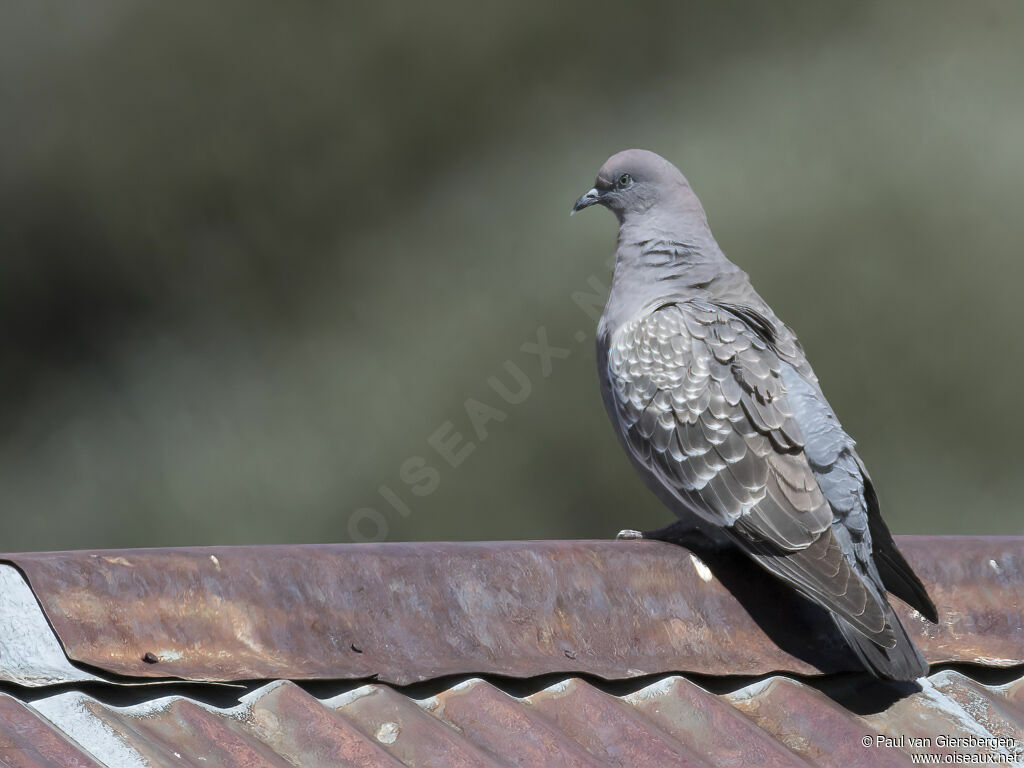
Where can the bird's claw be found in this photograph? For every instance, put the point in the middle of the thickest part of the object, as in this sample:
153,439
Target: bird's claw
629,533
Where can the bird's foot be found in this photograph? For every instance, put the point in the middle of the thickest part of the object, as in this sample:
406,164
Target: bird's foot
684,534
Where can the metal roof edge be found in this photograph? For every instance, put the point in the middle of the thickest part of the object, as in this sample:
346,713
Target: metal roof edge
407,612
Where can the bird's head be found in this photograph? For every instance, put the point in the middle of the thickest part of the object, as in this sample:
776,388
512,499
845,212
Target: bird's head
634,181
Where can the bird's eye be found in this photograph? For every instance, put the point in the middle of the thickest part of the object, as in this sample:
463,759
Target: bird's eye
624,181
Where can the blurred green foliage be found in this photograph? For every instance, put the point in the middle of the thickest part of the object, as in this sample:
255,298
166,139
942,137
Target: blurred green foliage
254,256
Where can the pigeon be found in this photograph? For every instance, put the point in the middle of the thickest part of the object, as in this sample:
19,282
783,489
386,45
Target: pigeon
720,412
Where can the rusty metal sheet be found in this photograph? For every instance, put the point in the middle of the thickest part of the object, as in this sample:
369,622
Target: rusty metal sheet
569,723
30,654
308,733
611,729
1014,693
408,732
710,726
406,612
977,583
954,704
30,741
503,726
810,724
278,726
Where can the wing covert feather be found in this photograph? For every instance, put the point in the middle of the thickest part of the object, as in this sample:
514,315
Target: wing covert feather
702,404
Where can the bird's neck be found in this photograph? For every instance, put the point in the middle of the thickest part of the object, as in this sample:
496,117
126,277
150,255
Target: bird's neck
673,241
682,261
654,261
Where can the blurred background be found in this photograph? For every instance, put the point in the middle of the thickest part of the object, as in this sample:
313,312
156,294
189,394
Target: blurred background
256,259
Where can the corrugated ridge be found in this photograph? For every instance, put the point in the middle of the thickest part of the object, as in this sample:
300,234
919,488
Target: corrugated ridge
777,721
515,609
28,740
709,725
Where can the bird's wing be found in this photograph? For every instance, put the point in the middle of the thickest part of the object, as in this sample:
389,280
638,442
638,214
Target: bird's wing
702,404
846,484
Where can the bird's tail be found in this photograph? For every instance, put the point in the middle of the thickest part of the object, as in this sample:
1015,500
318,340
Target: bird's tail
901,662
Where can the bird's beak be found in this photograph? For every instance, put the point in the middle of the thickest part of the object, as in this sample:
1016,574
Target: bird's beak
588,199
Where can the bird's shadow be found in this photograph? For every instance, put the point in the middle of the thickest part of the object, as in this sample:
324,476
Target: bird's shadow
795,624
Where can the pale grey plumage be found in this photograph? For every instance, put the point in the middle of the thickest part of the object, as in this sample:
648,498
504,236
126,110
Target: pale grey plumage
720,411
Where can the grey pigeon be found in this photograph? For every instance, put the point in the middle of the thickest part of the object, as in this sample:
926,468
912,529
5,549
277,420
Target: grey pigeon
720,412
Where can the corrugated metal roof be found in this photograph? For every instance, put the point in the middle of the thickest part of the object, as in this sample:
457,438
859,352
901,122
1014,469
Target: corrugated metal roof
134,622
30,653
671,722
410,612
